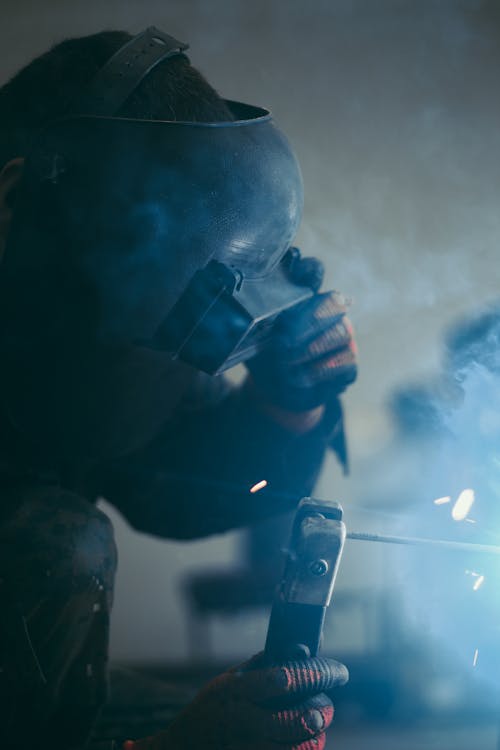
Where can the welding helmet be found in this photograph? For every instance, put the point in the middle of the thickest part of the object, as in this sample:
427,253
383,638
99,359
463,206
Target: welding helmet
169,234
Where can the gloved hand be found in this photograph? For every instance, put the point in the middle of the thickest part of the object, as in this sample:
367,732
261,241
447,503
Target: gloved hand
312,354
257,707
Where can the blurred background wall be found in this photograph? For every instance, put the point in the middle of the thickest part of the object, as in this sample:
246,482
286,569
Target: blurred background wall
393,109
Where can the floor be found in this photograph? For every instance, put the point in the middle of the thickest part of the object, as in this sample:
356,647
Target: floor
387,738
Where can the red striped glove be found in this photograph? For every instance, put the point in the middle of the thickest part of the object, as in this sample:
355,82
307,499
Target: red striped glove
252,707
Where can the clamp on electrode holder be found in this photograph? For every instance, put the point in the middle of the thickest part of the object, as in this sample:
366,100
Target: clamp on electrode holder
306,588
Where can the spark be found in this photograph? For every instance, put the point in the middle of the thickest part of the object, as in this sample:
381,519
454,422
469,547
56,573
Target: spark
476,654
259,486
464,503
442,500
478,583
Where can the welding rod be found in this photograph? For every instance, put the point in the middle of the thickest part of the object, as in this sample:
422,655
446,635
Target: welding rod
484,549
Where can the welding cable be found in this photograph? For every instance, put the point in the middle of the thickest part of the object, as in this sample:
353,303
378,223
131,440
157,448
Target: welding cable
278,707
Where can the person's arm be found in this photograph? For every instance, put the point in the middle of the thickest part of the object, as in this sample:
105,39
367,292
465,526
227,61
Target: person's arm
87,402
195,477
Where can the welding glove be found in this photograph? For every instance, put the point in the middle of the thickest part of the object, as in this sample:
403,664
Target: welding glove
281,706
311,356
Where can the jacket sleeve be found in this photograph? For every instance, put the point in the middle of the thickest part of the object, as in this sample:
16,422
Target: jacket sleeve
194,478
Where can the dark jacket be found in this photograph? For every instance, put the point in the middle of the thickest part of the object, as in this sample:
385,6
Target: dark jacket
174,450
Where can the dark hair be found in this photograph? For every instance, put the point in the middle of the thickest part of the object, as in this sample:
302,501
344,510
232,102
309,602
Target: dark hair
46,88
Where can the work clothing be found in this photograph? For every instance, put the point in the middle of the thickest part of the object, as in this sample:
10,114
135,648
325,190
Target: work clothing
57,555
57,567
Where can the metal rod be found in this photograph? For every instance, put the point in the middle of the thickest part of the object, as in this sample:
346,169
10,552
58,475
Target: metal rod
485,549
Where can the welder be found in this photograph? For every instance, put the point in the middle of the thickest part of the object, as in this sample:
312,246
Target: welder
137,209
